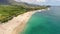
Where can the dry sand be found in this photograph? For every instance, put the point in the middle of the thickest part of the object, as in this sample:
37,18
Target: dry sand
16,25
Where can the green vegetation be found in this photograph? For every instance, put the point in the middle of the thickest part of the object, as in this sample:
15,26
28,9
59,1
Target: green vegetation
7,12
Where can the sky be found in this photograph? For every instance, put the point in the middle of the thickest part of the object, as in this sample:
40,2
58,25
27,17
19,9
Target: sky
42,2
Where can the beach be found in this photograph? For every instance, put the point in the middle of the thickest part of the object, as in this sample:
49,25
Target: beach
44,22
17,24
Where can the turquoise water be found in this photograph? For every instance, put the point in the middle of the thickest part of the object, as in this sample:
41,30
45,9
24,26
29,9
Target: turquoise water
45,22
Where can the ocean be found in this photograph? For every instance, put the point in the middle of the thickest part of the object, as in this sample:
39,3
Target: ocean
44,22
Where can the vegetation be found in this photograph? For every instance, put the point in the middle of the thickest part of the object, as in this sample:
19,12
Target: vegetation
7,12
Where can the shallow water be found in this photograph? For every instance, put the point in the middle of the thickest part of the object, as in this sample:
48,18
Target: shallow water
45,22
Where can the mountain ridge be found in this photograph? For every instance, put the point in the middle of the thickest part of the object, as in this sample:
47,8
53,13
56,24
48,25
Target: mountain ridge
12,2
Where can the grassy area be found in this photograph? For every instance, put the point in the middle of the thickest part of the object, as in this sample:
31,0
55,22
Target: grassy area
10,11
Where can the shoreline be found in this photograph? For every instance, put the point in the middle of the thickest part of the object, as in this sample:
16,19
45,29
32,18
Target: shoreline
17,24
23,24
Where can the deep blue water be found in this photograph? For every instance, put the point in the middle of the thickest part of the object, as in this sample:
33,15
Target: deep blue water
45,22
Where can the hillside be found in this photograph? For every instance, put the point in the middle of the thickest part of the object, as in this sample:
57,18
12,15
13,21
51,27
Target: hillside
12,2
4,2
10,9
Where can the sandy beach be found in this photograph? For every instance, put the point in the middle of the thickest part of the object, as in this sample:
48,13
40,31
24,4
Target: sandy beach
17,24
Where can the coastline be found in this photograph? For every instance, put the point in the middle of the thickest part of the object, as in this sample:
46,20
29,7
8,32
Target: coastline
20,27
17,24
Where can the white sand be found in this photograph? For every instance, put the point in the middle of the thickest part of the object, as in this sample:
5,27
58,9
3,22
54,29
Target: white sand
16,25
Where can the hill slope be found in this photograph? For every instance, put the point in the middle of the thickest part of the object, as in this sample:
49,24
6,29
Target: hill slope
4,2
